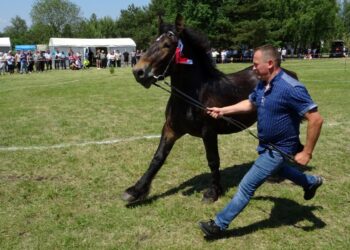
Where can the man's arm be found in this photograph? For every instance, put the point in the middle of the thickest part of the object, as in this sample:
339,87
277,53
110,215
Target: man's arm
314,126
241,107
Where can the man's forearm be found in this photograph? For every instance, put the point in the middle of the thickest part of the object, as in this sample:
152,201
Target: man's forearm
314,126
241,107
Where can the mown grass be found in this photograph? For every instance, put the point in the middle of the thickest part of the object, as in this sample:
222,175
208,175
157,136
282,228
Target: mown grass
69,197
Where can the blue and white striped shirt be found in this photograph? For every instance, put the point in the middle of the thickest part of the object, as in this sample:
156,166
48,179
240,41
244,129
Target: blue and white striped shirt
280,110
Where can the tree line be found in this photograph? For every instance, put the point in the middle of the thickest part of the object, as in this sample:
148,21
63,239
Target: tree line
227,23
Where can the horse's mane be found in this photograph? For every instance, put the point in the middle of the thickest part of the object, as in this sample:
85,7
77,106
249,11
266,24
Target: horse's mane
197,39
200,45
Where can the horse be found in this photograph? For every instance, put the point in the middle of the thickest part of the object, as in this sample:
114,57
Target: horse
183,54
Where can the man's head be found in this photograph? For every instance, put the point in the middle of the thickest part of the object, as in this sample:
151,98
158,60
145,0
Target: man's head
266,62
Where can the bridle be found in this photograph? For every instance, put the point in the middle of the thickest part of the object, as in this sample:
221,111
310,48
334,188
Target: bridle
193,102
162,76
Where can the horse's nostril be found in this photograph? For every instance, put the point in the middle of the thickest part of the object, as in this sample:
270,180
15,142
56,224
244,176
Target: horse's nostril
140,72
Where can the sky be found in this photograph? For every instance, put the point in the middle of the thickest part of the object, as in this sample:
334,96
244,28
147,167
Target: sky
101,8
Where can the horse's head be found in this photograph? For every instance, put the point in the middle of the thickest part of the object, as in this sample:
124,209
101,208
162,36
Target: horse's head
157,59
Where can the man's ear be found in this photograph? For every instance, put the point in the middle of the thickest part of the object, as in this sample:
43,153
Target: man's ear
271,63
179,23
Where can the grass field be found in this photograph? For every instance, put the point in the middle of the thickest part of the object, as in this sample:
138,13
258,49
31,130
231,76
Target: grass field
71,142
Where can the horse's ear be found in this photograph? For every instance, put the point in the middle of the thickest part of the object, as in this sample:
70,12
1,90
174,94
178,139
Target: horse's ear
160,23
179,23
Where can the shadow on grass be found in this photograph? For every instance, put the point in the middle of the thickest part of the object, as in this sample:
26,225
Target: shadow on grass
230,177
284,213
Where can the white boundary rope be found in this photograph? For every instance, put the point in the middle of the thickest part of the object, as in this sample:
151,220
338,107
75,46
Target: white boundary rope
104,142
39,86
82,144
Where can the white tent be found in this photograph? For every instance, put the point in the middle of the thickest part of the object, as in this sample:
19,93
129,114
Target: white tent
5,44
80,45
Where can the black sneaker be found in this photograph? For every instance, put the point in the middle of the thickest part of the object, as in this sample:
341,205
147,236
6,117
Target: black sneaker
311,191
209,228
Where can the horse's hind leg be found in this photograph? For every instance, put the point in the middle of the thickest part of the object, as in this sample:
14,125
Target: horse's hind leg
212,153
142,187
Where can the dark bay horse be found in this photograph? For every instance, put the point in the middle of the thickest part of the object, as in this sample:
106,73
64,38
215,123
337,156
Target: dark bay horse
182,54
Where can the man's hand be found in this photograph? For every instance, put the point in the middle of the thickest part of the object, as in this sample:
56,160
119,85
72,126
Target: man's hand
215,112
302,158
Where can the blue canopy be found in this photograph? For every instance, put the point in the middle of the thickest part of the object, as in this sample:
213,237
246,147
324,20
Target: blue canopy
25,47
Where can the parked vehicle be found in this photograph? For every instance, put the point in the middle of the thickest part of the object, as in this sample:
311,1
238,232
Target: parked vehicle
338,49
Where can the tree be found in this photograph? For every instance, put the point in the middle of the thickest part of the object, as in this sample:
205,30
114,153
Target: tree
346,15
90,28
39,34
108,27
56,14
303,23
18,31
138,24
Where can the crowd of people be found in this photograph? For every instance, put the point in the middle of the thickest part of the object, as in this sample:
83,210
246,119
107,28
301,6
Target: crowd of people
114,58
246,55
24,62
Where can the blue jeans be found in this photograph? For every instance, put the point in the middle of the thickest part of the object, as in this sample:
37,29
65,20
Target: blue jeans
269,162
23,68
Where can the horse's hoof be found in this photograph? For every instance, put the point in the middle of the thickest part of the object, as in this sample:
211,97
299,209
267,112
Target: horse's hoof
128,197
131,195
208,200
211,194
210,197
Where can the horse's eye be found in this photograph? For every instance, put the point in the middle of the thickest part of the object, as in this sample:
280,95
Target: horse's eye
167,45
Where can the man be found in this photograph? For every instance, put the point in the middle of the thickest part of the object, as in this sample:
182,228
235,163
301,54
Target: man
281,103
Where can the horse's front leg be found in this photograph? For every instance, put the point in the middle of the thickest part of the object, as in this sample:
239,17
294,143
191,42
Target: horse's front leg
211,147
140,190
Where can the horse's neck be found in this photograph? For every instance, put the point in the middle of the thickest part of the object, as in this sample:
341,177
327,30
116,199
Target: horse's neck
186,82
194,77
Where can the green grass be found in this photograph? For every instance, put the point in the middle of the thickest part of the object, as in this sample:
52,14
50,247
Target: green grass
69,197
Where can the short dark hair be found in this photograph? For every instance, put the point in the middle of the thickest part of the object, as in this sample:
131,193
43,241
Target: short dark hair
270,52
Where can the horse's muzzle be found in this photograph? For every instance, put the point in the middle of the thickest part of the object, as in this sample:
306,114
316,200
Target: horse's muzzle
144,75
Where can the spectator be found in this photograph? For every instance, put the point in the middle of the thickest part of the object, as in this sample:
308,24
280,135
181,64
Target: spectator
18,60
57,59
214,55
23,60
42,61
30,62
76,65
103,59
126,58
283,54
108,59
118,58
48,59
70,58
63,60
113,58
223,56
2,63
35,60
133,58
10,60
98,59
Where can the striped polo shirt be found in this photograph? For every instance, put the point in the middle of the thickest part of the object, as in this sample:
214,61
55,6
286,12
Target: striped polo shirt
280,110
